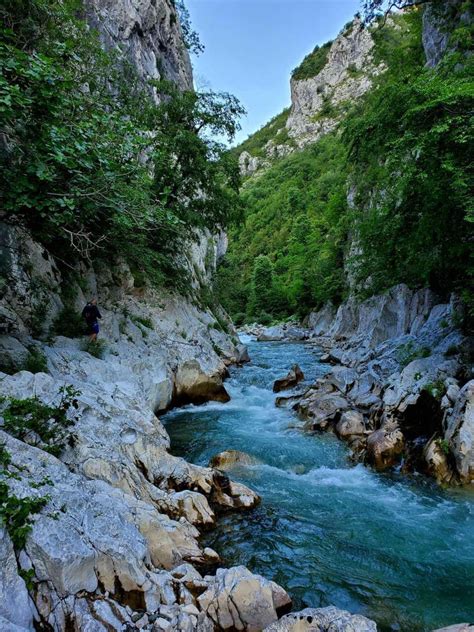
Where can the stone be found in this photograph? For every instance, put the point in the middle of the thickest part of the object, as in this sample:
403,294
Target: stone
148,36
231,458
385,447
436,460
16,607
459,431
459,627
271,334
193,385
292,379
236,599
351,423
328,619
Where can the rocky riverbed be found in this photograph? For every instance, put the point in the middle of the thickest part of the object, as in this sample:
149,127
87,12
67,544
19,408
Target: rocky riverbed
398,386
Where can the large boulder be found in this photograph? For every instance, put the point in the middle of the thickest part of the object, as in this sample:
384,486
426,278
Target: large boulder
194,386
271,334
385,447
294,376
328,619
459,431
351,424
236,599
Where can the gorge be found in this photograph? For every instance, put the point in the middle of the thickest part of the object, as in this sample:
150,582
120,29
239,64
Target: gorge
153,480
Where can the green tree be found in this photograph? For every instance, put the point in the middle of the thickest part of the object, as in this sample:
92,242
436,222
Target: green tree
262,286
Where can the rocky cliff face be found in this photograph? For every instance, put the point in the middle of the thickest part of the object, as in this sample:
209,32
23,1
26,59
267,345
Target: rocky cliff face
317,103
439,21
147,33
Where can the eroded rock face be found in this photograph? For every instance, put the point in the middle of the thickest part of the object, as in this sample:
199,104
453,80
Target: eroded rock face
236,599
393,388
328,619
459,431
439,20
194,386
148,33
292,379
346,76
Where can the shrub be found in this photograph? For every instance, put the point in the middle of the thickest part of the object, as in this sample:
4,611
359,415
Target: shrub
69,323
36,361
407,353
264,319
142,320
16,513
94,348
436,389
44,426
313,63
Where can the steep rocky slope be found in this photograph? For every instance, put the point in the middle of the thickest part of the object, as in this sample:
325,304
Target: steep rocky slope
319,102
147,33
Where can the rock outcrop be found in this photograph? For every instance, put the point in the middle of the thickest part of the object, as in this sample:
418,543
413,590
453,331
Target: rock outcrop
440,19
147,33
238,600
399,388
323,620
231,458
292,379
317,103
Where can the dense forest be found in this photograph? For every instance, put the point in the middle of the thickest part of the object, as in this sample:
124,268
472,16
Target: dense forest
97,163
383,199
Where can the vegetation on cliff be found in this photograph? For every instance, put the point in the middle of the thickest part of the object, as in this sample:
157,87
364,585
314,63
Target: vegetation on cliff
383,200
91,164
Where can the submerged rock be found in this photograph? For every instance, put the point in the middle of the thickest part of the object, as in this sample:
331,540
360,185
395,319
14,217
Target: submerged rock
328,619
231,458
292,379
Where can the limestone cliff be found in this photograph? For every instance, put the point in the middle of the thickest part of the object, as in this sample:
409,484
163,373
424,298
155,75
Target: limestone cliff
317,103
148,33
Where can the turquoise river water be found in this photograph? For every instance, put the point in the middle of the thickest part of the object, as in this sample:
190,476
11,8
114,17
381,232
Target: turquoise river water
395,548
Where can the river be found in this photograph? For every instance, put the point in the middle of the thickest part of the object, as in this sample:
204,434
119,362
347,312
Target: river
395,548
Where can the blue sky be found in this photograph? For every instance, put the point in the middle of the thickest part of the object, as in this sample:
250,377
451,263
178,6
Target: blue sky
253,45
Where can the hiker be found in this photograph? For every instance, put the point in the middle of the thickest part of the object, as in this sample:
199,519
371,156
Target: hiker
90,313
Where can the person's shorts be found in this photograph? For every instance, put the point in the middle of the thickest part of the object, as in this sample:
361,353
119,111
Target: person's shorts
93,328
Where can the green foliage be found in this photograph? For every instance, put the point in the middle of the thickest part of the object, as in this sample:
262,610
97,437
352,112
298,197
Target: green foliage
313,63
410,156
143,321
36,361
77,164
274,130
408,353
436,389
190,37
444,446
44,426
295,215
16,514
95,348
69,323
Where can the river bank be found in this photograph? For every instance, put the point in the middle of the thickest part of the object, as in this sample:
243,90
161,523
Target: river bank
393,547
